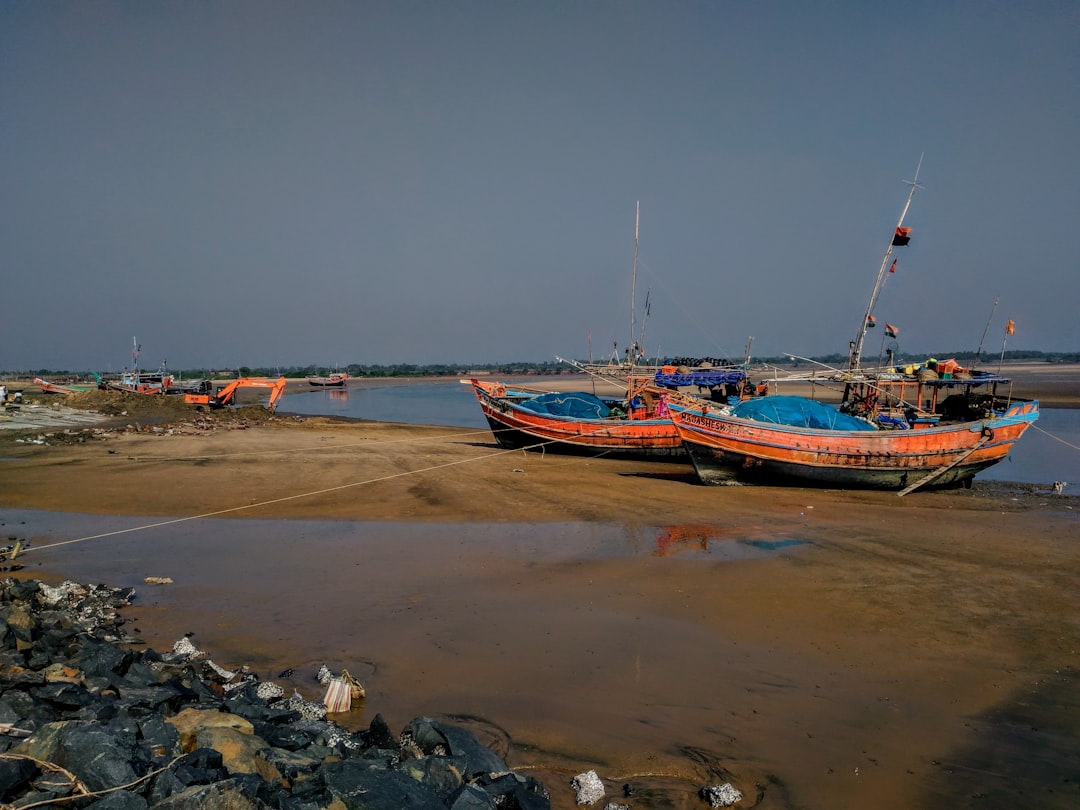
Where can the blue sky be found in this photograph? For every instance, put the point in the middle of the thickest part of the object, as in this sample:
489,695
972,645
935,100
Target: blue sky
275,183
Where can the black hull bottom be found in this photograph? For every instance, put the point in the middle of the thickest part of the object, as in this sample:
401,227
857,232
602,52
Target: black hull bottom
718,468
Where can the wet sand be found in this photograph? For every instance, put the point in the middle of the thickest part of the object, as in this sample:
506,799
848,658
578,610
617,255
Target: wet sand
816,648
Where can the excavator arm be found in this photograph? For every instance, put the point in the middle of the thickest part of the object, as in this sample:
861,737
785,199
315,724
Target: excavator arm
227,394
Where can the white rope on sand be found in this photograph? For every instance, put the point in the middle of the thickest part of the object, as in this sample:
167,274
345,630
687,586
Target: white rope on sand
365,443
285,498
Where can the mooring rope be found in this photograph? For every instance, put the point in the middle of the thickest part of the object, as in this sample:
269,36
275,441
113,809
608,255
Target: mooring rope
365,443
1055,438
283,499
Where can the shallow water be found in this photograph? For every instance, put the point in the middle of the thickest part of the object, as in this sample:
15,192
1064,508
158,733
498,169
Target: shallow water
442,403
664,657
821,671
547,638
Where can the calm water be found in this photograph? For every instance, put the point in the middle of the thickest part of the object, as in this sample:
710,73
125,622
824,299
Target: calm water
1049,451
443,403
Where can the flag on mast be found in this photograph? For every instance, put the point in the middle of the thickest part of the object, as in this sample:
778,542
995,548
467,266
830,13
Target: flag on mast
1010,327
891,331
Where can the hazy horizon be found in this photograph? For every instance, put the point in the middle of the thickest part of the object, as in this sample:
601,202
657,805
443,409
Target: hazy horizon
1024,357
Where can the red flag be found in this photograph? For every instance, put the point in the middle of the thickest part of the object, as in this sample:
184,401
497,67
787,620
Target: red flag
901,237
1010,327
892,269
891,331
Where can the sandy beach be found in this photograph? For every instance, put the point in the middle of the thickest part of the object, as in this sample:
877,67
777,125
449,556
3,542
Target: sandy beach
816,648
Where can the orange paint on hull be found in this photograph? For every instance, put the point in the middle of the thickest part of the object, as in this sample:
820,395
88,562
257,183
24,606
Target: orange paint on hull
516,427
726,449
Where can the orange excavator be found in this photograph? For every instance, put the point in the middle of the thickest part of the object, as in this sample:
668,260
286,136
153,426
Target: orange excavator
226,394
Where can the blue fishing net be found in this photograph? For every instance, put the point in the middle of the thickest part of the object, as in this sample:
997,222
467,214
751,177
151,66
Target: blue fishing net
797,412
578,405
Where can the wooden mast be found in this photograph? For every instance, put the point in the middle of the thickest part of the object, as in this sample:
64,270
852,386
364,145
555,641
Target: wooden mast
633,289
857,344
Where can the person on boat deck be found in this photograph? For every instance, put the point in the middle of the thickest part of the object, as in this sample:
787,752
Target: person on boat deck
3,394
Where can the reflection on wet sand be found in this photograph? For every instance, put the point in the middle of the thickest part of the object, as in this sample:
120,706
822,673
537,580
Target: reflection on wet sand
665,658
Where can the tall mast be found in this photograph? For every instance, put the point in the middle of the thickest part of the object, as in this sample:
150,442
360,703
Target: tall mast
857,344
633,286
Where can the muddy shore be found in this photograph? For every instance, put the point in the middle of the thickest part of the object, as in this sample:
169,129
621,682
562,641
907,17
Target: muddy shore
817,648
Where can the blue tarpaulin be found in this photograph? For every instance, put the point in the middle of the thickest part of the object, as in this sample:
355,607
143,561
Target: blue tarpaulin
704,379
579,405
797,412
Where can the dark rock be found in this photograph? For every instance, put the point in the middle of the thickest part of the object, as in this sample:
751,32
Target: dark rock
96,657
161,738
164,784
434,737
15,773
470,797
55,783
116,717
119,800
20,623
30,714
511,791
441,775
18,675
378,734
357,786
63,696
102,757
223,795
292,765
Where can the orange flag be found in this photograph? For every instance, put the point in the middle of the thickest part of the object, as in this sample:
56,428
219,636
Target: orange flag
1010,327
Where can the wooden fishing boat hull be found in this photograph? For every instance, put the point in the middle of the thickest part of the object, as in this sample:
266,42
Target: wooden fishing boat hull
726,450
515,427
333,381
58,388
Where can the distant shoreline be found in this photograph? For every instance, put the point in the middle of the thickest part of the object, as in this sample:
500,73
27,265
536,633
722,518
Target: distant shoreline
1054,385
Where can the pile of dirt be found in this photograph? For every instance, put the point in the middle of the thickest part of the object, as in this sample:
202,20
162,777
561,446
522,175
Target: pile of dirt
161,410
120,403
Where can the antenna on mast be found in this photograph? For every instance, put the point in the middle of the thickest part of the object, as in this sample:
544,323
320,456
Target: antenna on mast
633,283
894,240
993,309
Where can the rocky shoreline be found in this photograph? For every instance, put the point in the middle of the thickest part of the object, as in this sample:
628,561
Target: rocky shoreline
87,721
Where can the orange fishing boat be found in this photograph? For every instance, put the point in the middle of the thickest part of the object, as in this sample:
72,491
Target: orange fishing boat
896,428
636,425
632,425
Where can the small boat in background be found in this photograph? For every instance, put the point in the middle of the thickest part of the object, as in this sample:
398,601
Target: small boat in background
336,380
48,387
142,382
